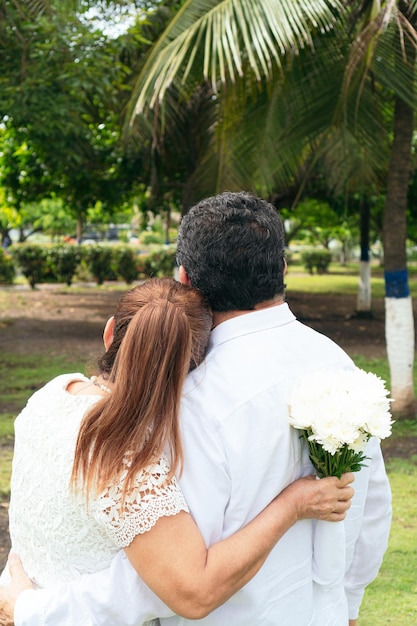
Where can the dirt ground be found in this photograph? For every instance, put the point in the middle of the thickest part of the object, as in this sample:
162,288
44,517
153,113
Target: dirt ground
51,320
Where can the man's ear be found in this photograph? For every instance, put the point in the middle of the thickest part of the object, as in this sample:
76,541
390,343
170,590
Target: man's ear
285,267
183,276
108,333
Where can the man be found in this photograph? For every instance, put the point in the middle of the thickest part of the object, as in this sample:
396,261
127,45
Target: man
239,449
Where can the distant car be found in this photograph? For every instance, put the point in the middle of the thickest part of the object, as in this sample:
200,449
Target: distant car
90,238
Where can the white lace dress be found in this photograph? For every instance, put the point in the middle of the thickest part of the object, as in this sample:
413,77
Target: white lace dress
56,536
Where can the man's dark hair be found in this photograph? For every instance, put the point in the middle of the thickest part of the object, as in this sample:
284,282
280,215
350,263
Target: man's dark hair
233,249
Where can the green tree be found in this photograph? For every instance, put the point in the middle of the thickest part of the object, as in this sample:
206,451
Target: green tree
63,87
315,221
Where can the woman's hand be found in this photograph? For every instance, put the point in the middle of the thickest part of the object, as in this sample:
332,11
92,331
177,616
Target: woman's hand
8,596
325,499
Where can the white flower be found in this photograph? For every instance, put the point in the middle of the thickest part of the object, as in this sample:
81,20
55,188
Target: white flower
359,444
341,408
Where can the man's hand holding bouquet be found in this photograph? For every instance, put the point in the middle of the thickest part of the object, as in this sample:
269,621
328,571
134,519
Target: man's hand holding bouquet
337,412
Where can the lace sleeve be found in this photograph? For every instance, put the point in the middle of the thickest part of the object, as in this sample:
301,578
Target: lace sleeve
151,497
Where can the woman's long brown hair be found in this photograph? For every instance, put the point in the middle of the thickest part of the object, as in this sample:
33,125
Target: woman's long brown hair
161,331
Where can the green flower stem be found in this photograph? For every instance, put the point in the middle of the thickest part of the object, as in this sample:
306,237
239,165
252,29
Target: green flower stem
327,464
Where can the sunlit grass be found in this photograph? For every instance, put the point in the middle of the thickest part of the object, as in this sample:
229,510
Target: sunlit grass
6,427
330,283
339,279
392,597
20,376
5,471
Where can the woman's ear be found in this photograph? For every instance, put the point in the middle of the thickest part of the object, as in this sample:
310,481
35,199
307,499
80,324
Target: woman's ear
108,333
183,276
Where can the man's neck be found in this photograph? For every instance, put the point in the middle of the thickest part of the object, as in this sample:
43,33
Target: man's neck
222,316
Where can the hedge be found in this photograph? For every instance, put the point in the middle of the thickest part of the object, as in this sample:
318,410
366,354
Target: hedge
7,268
65,262
318,260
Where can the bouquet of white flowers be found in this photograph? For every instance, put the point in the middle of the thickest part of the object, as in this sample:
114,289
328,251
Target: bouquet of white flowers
338,412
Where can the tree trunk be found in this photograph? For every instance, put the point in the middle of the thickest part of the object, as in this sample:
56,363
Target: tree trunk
399,322
79,229
364,299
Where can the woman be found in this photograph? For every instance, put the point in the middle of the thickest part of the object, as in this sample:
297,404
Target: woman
94,464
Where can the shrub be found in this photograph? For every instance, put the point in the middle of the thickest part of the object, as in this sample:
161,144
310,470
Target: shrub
99,262
159,264
318,260
125,262
7,269
64,260
150,236
32,260
142,265
412,254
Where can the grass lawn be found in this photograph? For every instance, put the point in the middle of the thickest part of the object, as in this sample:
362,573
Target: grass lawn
20,376
392,597
341,280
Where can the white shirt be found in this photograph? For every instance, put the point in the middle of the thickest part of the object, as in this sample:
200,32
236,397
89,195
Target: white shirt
239,453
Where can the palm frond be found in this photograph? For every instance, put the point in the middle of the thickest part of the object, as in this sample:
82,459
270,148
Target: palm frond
380,46
293,120
223,38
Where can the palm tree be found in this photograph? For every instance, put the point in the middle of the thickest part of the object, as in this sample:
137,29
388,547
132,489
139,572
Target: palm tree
386,49
268,50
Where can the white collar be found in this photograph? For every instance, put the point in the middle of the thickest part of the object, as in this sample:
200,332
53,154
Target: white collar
251,322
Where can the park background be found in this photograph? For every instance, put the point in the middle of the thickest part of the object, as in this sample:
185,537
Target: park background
117,116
